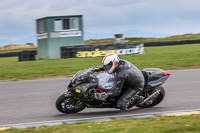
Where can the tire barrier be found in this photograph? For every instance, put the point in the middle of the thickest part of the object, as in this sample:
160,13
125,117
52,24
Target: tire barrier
100,50
27,55
168,43
123,49
71,51
13,54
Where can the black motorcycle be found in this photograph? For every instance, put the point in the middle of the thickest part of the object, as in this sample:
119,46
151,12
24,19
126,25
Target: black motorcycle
83,85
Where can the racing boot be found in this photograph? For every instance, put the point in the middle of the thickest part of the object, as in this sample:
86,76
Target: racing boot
128,99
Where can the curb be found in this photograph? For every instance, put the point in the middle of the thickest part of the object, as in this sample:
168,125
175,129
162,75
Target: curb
98,119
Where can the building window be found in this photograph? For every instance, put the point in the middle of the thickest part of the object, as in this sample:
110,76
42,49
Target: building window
66,24
58,24
74,23
41,28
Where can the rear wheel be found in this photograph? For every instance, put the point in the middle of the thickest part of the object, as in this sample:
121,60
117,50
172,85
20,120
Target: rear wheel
156,100
67,104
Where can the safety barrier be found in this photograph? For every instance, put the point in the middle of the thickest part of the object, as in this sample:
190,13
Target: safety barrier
22,54
94,50
12,54
120,49
168,43
100,50
27,55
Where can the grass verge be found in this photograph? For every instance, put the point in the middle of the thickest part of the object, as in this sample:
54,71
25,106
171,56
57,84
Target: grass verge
165,57
169,124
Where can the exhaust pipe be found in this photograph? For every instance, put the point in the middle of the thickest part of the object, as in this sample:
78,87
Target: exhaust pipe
151,97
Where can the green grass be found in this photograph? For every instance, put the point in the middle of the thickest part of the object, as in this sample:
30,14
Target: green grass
165,57
170,124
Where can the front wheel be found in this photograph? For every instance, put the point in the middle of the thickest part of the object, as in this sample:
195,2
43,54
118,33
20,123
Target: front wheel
67,104
156,100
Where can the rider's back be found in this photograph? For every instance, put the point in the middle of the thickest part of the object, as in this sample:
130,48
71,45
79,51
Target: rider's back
133,77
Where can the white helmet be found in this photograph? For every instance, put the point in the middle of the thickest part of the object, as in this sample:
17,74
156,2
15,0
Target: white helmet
111,62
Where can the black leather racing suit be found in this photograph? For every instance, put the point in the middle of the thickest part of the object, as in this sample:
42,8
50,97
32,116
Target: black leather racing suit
130,76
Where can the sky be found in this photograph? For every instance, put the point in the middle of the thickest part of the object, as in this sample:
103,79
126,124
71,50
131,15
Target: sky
102,18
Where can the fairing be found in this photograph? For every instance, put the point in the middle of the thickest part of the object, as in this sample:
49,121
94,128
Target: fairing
154,77
106,81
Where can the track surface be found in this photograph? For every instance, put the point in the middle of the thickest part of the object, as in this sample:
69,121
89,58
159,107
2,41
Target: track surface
34,101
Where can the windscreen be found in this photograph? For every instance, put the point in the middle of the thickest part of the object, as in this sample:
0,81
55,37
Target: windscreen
82,76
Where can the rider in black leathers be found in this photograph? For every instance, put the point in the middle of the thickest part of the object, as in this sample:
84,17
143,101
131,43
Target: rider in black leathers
127,75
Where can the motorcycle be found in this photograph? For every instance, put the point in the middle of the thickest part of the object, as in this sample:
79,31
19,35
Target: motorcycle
83,85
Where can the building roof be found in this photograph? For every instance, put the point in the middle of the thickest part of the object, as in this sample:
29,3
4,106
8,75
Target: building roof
54,17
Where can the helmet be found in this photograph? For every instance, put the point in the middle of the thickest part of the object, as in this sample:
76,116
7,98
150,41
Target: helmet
111,62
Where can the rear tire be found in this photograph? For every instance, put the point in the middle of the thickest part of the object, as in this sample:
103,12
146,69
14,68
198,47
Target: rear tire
156,100
65,104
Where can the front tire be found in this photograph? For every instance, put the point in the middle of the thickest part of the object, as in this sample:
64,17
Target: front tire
156,100
67,104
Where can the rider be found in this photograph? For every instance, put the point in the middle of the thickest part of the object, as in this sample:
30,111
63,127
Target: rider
127,74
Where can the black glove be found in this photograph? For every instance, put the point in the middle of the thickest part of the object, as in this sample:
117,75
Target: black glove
100,96
98,68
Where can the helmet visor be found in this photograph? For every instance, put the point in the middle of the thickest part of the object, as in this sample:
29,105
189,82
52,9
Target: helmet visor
108,66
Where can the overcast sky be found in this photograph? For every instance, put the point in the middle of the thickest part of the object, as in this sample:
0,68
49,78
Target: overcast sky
101,17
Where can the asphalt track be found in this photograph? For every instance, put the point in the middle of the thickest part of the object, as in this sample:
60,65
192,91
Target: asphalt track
34,100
